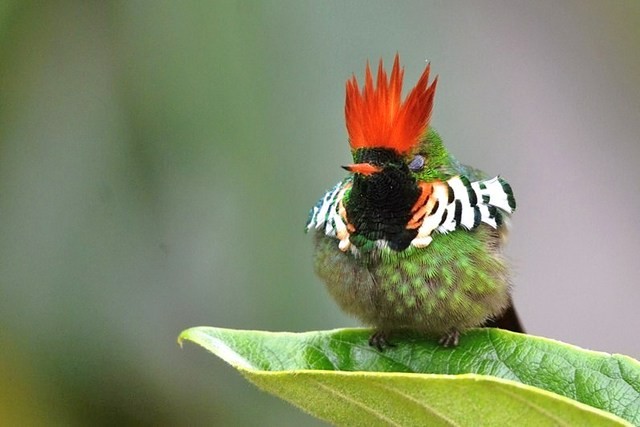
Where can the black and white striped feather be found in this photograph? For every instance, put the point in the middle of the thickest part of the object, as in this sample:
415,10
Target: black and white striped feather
459,204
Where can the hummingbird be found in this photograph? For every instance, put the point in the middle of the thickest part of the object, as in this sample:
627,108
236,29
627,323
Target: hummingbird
411,239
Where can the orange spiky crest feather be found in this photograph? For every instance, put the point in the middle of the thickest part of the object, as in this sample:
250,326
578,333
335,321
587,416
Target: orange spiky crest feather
377,118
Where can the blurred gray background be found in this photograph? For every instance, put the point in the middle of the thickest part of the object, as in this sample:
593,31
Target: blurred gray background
158,160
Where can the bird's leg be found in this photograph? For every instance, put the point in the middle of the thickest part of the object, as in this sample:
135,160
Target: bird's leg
380,340
450,339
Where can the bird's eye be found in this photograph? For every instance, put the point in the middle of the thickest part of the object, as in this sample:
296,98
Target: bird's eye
417,163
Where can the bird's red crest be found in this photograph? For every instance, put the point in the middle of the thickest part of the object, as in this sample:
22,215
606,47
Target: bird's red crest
377,117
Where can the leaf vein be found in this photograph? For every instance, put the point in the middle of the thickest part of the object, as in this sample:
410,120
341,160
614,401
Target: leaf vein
351,400
501,360
412,399
538,408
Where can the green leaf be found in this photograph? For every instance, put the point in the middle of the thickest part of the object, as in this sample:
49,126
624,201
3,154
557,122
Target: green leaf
493,377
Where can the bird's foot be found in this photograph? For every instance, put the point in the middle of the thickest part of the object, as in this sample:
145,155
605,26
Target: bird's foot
450,339
380,340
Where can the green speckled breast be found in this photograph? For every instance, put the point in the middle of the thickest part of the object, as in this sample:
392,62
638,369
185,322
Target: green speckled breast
457,282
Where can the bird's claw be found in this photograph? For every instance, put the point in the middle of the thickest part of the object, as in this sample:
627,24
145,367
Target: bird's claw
450,339
380,340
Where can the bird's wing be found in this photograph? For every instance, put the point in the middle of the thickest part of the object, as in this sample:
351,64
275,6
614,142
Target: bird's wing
508,320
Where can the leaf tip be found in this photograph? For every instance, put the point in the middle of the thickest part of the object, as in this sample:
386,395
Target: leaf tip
218,341
185,335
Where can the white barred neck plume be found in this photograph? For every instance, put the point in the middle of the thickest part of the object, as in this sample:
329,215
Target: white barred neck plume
387,202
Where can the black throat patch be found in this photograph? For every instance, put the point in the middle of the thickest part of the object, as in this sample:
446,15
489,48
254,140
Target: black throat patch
379,205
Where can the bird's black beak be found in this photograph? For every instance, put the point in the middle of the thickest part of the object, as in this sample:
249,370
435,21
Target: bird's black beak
362,168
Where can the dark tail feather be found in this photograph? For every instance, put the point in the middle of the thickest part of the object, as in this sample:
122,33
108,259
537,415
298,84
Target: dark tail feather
509,320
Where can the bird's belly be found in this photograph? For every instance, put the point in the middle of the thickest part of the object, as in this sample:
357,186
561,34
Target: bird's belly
457,282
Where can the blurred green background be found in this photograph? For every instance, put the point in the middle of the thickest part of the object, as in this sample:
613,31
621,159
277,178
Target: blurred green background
158,160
